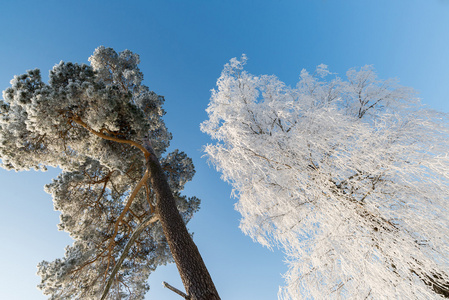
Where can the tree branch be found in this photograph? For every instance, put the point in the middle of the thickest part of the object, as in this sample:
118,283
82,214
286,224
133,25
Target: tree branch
267,159
131,241
125,210
185,296
78,121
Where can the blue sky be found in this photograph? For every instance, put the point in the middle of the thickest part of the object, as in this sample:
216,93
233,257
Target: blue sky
183,46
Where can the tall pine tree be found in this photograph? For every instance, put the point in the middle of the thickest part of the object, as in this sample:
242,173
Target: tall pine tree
118,194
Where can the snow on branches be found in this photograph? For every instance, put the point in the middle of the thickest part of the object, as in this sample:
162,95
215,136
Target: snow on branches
348,176
90,122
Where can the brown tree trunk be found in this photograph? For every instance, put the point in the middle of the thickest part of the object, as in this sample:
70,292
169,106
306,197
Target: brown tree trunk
195,277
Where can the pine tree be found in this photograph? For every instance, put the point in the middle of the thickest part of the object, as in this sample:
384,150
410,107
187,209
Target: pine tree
119,195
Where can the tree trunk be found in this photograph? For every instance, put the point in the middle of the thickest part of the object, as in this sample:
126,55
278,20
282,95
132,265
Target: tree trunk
195,277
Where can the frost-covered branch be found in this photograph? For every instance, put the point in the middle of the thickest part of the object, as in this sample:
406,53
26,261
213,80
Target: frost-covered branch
124,211
360,204
125,251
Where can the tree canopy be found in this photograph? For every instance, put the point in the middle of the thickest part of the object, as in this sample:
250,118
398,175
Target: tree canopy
92,122
349,176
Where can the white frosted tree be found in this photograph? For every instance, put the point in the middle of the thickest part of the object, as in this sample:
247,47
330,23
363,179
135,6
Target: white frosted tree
118,194
350,177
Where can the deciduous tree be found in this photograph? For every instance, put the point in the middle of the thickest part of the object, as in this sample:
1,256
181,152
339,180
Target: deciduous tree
348,176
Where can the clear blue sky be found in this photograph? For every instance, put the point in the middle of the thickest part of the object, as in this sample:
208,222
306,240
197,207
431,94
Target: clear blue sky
183,46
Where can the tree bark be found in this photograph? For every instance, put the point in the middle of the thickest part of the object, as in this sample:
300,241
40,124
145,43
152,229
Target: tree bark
194,274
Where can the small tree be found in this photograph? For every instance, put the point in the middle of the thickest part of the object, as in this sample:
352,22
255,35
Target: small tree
350,177
118,195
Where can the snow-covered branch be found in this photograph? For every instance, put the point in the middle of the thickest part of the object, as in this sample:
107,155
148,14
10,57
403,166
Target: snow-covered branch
348,176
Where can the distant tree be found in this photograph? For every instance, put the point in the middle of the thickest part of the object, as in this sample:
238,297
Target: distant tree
118,195
349,177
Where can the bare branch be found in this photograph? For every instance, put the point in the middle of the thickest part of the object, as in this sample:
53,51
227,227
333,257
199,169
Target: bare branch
175,290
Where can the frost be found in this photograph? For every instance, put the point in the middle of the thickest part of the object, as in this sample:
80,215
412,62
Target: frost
348,176
51,125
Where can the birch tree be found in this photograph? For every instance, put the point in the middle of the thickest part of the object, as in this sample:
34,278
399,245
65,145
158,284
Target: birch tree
119,195
349,176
